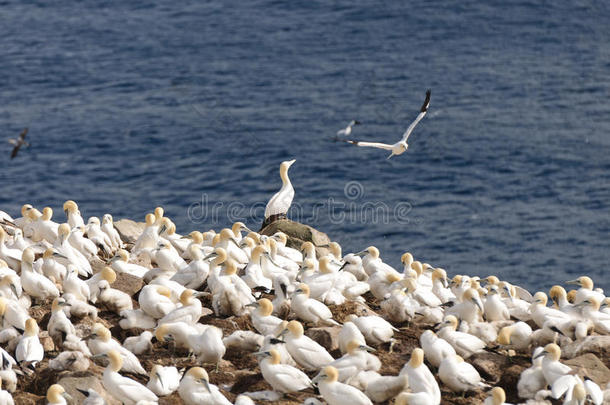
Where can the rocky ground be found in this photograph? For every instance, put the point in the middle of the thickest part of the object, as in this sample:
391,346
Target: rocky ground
239,371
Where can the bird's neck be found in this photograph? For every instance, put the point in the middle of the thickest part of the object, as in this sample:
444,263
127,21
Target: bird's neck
284,177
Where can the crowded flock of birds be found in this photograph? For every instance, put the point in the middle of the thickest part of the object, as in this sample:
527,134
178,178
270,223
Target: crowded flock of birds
44,261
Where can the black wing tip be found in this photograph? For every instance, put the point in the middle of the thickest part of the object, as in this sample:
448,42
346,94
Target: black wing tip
424,107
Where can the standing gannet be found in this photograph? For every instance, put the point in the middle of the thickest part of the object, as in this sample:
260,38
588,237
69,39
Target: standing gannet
306,352
139,344
29,350
435,348
282,249
163,380
262,320
282,377
68,254
336,393
109,229
464,344
97,236
75,219
470,309
84,245
101,342
74,285
59,326
494,307
348,129
57,395
166,257
420,377
253,273
43,227
590,310
196,272
11,256
459,376
308,309
34,284
12,314
207,345
401,146
149,238
120,263
195,389
586,290
230,294
552,368
122,388
279,204
51,268
189,312
531,380
349,332
355,361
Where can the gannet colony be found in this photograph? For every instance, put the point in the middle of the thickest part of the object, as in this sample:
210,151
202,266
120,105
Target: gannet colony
109,313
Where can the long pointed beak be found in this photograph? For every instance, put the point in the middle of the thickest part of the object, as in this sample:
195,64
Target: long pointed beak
343,267
573,282
361,253
207,385
541,354
211,255
368,348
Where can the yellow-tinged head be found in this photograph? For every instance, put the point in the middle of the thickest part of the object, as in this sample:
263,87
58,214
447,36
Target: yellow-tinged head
392,278
410,284
451,321
540,298
295,328
373,252
335,249
230,267
592,302
27,256
108,274
302,289
159,212
265,307
329,374
557,292
237,228
406,259
101,332
63,230
3,264
196,237
70,207
31,327
307,247
553,351
504,335
275,356
115,360
493,280
195,252
579,393
55,392
417,358
198,374
185,297
324,265
571,296
2,306
150,219
25,208
47,213
257,252
498,396
584,282
221,256
161,332
164,291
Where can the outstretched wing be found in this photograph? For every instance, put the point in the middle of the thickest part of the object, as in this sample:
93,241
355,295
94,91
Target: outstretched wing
15,150
371,144
23,134
422,113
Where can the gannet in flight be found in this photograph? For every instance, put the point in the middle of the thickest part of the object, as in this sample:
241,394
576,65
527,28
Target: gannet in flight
19,142
401,146
348,129
278,205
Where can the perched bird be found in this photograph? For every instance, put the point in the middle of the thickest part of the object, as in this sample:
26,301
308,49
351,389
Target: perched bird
91,397
195,389
282,377
57,395
401,146
18,143
29,351
459,376
336,393
306,352
164,380
420,377
279,204
122,388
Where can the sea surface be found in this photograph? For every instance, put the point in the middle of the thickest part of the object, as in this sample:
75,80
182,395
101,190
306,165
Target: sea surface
192,105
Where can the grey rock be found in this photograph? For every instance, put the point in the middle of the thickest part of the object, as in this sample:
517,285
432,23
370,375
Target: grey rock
327,337
298,233
591,366
129,230
83,381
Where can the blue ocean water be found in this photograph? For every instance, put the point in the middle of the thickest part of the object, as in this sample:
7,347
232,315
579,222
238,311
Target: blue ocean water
192,105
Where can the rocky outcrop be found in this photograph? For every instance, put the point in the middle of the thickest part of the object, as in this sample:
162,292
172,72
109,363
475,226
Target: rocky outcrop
298,233
129,230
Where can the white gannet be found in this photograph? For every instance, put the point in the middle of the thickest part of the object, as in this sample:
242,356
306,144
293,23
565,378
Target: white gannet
149,238
516,336
139,344
353,264
113,299
195,389
531,380
120,263
375,329
280,203
67,254
262,320
73,214
196,272
464,344
72,284
207,345
494,308
84,245
34,284
59,325
355,361
470,309
590,310
336,393
230,293
57,395
29,350
43,228
11,256
122,388
308,309
282,377
12,314
371,262
552,368
166,257
435,348
155,300
253,273
189,312
459,376
51,268
163,380
349,331
401,146
109,229
101,342
348,129
307,353
270,342
410,398
586,290
97,236
440,286
420,377
282,249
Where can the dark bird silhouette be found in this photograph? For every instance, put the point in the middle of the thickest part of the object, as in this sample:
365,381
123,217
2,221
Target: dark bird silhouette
19,142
